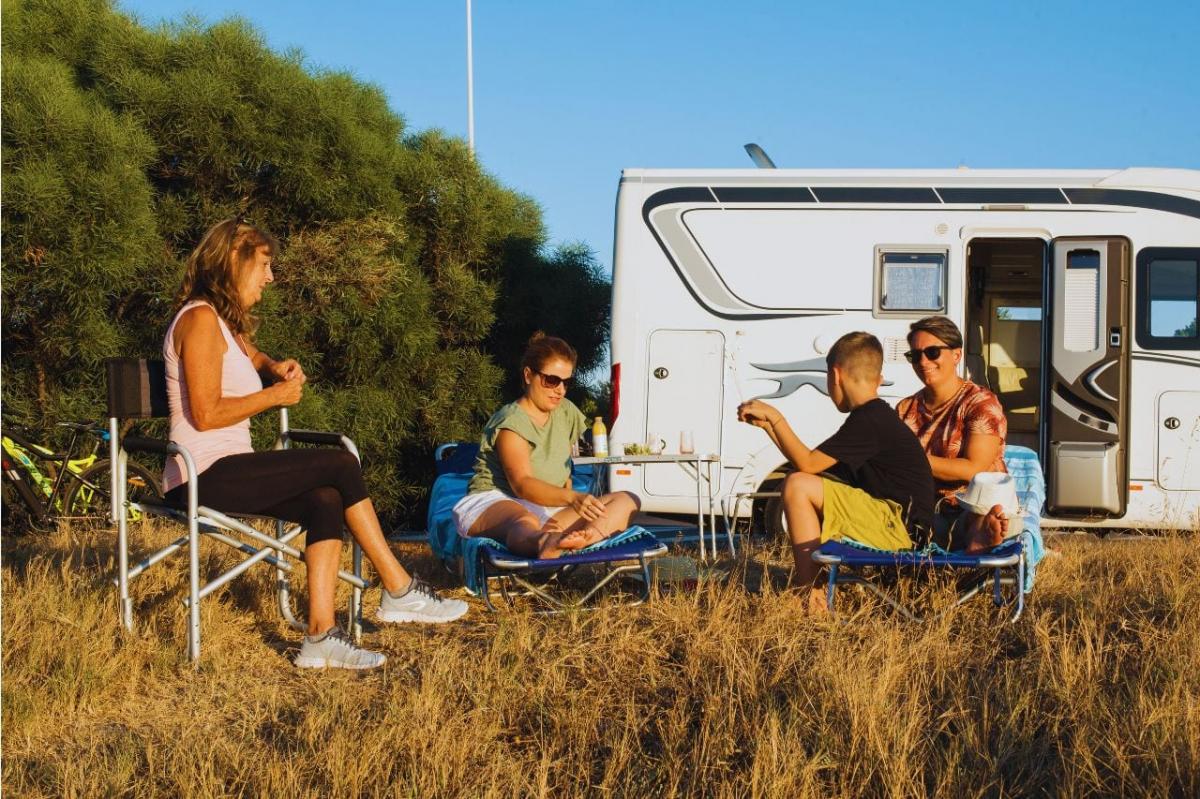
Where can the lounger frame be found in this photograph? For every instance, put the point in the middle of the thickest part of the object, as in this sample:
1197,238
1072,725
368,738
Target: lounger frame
846,564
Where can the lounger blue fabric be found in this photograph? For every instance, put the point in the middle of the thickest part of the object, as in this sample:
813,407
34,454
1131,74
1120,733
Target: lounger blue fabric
485,557
1022,463
1020,554
448,489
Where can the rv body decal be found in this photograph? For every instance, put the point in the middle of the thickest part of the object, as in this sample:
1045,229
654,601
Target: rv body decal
664,210
812,372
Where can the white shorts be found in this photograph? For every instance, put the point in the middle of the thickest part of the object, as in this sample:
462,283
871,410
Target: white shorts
468,509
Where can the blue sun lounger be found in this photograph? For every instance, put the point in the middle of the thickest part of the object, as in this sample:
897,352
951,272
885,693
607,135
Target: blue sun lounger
1011,564
487,566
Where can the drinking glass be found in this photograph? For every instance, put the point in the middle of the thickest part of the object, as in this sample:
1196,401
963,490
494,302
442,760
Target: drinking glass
687,443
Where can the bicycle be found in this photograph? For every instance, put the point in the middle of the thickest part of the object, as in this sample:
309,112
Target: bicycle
70,487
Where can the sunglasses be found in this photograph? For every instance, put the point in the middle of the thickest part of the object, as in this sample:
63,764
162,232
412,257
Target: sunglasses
932,352
553,381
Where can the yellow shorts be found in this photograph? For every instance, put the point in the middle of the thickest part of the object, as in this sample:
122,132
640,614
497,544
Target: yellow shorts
853,513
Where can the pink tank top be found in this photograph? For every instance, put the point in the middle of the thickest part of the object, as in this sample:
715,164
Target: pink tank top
238,378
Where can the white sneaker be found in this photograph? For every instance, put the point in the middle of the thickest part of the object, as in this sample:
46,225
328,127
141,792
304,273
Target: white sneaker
336,650
419,603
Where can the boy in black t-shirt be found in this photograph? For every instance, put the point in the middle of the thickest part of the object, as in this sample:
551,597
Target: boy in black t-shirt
869,481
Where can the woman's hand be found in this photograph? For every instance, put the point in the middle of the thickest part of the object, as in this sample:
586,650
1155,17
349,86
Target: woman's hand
286,392
288,369
587,506
758,413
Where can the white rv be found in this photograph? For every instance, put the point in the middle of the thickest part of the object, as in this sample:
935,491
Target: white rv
1077,292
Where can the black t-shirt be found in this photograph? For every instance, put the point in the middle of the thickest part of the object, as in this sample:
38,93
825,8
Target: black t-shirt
876,452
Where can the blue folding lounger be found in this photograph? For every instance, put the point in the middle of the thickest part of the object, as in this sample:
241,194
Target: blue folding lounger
487,565
1012,563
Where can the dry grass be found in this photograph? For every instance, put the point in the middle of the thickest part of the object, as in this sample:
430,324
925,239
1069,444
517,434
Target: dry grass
1096,691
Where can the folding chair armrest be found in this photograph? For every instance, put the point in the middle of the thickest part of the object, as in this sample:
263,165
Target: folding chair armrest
321,437
142,444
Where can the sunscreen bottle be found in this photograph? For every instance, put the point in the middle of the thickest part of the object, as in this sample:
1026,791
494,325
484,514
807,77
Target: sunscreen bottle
599,439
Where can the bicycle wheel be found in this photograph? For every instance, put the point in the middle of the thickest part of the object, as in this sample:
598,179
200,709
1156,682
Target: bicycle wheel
90,492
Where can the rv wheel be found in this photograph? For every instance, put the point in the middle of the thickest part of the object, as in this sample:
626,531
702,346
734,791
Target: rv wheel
768,512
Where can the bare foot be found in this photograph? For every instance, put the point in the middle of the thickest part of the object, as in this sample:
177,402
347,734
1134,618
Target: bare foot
810,601
985,532
578,539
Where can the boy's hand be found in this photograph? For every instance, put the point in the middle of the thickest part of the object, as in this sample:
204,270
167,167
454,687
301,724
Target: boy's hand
757,413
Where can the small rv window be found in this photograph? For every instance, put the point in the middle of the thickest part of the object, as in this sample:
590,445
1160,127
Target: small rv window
911,281
1018,313
1168,298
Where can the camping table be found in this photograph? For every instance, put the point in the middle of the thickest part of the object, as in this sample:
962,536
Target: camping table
690,463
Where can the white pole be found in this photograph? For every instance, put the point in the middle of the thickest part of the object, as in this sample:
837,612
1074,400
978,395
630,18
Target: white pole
470,87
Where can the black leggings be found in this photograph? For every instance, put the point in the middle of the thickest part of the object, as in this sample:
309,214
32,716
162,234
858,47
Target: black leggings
311,487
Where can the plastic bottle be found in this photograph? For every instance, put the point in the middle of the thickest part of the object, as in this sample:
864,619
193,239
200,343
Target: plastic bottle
599,438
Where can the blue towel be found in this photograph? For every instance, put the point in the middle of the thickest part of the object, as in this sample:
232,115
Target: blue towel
473,577
1022,463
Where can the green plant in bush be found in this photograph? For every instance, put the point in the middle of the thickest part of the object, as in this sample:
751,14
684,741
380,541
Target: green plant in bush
409,278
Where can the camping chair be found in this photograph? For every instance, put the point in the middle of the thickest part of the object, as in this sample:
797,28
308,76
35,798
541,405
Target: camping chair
1010,564
486,565
137,389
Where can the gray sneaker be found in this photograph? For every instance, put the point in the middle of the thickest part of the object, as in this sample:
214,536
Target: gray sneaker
419,603
336,650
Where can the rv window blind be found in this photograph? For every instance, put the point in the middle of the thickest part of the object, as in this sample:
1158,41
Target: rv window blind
912,281
1081,301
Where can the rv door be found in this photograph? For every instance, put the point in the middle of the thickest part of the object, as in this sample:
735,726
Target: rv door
684,393
1086,398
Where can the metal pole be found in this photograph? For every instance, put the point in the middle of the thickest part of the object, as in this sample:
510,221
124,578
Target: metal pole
470,86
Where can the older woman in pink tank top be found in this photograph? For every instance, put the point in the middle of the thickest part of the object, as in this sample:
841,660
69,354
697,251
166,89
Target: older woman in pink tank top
214,386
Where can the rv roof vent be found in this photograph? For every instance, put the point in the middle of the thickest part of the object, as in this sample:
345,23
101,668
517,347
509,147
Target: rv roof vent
759,156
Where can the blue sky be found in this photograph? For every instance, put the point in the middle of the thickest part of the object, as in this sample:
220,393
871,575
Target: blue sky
568,93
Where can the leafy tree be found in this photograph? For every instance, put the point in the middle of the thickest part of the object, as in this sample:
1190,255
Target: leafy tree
409,278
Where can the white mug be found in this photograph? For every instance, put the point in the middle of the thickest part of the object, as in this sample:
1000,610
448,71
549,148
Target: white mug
687,442
655,444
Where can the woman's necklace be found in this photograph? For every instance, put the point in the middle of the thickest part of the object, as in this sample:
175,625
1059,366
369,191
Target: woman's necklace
932,408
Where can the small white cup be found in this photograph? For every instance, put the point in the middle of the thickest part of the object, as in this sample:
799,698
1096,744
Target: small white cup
687,442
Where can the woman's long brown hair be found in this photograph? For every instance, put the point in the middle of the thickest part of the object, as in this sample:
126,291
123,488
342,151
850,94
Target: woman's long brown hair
215,265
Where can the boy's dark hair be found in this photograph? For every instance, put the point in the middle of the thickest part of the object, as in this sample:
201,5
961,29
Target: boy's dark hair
859,354
940,327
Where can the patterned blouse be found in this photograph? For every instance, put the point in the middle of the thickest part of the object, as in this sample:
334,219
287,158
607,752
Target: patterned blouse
943,432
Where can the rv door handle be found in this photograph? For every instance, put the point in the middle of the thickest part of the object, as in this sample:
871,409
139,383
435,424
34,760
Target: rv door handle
1171,423
661,373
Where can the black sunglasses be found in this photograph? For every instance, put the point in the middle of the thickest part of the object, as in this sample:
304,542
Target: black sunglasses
932,352
553,381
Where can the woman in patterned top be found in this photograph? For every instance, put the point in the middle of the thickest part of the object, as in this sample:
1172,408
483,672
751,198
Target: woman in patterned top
960,424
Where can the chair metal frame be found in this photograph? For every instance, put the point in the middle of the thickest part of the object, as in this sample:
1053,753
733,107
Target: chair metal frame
148,400
509,570
844,561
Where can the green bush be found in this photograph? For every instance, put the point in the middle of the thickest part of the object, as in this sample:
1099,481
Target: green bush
409,278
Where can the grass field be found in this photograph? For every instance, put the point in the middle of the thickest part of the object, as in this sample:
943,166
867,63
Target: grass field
1095,691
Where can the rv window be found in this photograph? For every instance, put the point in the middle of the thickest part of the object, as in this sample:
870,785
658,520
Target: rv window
1168,298
912,281
1018,313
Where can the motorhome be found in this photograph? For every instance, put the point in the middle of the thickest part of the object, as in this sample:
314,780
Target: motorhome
1077,292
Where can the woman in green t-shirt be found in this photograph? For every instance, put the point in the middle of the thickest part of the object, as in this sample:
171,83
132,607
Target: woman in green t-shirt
521,492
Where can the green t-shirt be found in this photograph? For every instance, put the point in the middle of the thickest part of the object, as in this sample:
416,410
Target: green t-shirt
549,446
